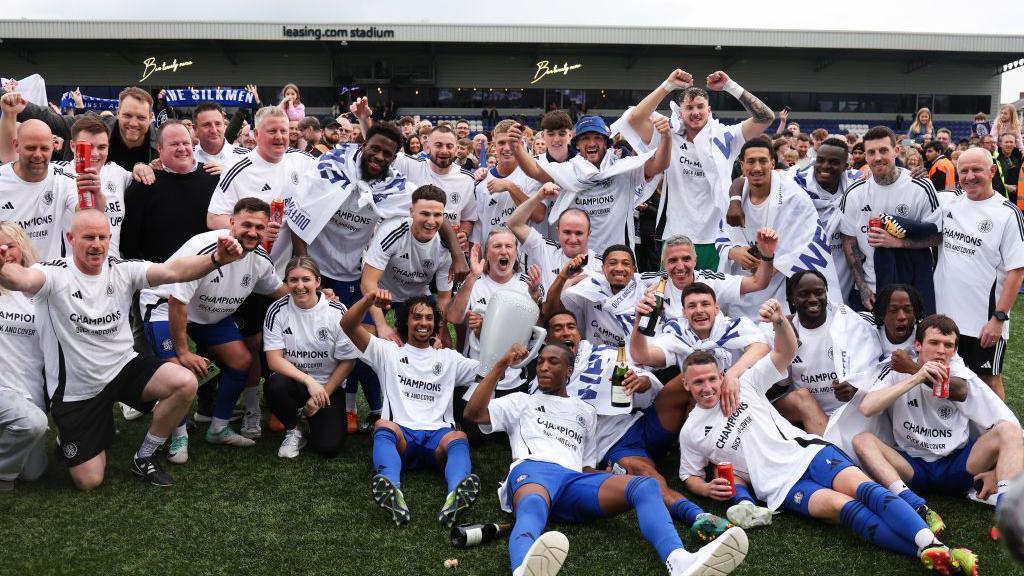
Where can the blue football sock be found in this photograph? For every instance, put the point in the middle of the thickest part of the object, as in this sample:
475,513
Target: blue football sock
896,513
686,511
911,498
458,465
856,516
386,459
743,494
232,382
531,517
656,525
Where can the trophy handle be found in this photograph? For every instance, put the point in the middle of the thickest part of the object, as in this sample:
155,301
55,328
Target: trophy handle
478,308
539,334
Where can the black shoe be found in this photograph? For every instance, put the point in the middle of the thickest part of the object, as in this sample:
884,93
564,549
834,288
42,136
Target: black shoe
367,426
150,471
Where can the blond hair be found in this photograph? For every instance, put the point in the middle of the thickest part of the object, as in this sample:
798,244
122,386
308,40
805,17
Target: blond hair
29,256
1014,126
916,126
268,112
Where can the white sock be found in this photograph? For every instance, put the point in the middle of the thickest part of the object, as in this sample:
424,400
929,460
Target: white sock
180,431
1002,486
149,445
679,559
897,487
925,538
252,398
217,424
350,401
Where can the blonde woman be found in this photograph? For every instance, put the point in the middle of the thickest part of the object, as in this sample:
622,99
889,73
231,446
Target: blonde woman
913,159
291,102
1007,123
922,125
22,397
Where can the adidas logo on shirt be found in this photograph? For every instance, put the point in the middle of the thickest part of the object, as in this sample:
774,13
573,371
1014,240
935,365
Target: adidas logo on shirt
987,365
866,208
540,409
798,360
287,330
216,280
9,206
77,294
707,430
265,188
404,360
482,301
913,403
405,256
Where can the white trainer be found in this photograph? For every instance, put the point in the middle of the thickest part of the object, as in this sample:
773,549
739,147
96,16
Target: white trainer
747,515
130,413
251,425
293,442
716,558
178,451
546,556
228,437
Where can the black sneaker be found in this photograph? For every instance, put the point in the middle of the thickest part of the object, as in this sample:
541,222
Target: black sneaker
150,471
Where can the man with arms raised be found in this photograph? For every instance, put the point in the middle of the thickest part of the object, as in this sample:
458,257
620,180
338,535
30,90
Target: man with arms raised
553,443
789,468
503,188
83,302
694,196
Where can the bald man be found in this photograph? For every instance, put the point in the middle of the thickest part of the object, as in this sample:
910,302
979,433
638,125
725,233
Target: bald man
82,304
35,194
981,263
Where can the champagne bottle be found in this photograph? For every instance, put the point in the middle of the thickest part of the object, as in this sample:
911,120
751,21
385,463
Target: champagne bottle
649,322
469,535
619,397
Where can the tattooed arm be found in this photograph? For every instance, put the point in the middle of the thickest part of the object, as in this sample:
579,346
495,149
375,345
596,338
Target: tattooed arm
855,259
761,116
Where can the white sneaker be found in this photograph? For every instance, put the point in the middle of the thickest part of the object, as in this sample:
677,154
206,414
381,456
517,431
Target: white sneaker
251,425
546,556
717,558
228,437
293,443
748,515
129,412
178,451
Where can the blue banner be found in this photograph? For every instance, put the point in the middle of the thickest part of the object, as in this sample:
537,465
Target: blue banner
91,102
186,97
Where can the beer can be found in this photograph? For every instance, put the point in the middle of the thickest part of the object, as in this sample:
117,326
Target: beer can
941,390
724,470
276,215
83,156
875,222
86,200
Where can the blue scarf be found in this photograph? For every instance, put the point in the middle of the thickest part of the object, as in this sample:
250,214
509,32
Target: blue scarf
91,102
186,97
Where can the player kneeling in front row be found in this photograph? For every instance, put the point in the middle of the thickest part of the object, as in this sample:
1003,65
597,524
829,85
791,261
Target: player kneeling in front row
934,450
83,303
310,357
790,468
416,428
553,438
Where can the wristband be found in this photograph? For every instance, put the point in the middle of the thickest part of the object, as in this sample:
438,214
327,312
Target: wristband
671,87
736,198
733,88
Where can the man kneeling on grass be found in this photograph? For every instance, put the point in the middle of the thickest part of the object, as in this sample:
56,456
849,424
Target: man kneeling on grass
790,468
416,428
553,439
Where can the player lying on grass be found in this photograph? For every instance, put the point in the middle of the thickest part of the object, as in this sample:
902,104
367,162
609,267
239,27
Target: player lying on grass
789,468
553,438
416,428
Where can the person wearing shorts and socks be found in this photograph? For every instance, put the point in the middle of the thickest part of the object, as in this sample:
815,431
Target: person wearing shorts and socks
83,304
310,357
553,438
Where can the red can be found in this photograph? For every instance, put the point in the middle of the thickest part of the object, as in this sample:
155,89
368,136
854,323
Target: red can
874,222
83,161
276,215
941,390
724,470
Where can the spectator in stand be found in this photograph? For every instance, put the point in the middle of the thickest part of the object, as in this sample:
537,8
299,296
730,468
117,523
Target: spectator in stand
781,147
462,128
941,171
291,103
981,125
945,137
857,160
408,126
1008,123
492,161
539,146
803,145
424,128
413,146
332,133
462,154
784,128
922,125
294,138
851,138
1008,159
912,159
789,159
818,135
310,132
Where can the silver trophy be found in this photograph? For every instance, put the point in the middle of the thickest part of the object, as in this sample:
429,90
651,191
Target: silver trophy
509,318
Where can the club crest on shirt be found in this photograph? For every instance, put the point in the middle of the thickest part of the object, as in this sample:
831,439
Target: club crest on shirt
903,210
110,291
581,420
454,196
985,226
246,281
946,412
437,369
323,334
829,352
48,199
295,178
428,264
110,186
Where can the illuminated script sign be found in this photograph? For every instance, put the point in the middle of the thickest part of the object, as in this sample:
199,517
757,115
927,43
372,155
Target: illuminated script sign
544,68
149,66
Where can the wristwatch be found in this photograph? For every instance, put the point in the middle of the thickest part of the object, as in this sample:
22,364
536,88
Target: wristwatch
1000,315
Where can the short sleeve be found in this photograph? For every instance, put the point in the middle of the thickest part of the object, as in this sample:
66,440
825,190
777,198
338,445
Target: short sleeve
504,412
441,279
222,201
51,278
268,281
375,255
848,224
378,352
1012,246
590,447
762,375
344,349
272,337
691,461
136,274
184,291
465,369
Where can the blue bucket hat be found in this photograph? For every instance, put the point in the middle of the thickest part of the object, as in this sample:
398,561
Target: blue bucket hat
592,124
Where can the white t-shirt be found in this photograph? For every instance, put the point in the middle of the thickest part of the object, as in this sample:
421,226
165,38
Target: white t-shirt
912,198
981,242
726,287
762,446
493,210
813,368
252,176
114,180
596,322
458,184
418,383
408,264
924,426
21,355
84,323
691,206
549,257
338,249
610,203
312,340
217,295
227,156
483,289
546,428
42,209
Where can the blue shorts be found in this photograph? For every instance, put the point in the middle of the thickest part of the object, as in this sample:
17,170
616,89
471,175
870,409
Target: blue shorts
820,474
158,333
420,446
947,475
645,437
573,494
348,293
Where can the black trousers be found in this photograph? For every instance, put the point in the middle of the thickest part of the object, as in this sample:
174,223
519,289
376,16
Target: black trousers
327,429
